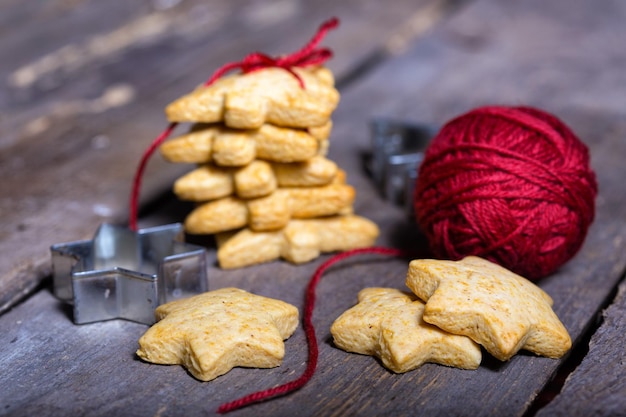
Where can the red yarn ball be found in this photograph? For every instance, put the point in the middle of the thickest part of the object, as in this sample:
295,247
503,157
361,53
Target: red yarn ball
509,184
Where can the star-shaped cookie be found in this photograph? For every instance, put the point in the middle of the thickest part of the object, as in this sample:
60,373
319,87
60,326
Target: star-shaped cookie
300,241
387,323
497,308
233,147
272,95
257,179
211,333
271,212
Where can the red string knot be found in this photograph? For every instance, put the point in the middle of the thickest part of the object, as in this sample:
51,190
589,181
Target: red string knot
308,55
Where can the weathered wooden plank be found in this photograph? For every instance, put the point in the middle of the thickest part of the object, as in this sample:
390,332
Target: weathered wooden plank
72,149
597,386
92,370
502,48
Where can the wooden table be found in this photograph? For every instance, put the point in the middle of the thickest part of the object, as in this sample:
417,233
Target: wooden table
83,89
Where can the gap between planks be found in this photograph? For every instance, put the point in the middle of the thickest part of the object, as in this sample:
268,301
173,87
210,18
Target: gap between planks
575,357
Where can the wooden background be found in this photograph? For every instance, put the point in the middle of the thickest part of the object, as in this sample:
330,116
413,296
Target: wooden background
83,85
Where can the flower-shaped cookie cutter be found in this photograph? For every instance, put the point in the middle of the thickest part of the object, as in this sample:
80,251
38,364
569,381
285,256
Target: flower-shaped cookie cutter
397,150
123,274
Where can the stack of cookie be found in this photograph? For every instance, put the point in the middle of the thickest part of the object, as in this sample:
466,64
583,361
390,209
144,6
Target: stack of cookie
263,185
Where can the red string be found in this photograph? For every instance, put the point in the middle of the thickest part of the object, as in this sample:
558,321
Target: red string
306,56
309,329
134,199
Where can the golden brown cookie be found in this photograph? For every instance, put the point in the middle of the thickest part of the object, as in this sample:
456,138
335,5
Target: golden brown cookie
270,212
310,173
497,308
211,333
300,241
358,329
387,323
205,183
280,144
257,179
231,147
269,95
407,342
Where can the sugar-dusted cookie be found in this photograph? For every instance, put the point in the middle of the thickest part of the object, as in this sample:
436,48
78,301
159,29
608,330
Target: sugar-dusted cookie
270,95
495,307
270,212
300,241
257,179
387,323
211,333
231,147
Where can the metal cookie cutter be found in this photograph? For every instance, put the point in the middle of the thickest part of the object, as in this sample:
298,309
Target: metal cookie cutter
125,274
397,150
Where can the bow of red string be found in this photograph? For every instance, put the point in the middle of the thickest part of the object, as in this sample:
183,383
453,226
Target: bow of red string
308,55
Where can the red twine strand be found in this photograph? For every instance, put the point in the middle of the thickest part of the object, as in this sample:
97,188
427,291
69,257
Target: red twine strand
307,56
134,199
309,329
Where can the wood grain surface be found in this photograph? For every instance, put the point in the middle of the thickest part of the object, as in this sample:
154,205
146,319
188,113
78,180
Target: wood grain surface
597,386
562,56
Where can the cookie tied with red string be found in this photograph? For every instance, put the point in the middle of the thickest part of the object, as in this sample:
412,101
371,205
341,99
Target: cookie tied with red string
260,137
293,91
268,95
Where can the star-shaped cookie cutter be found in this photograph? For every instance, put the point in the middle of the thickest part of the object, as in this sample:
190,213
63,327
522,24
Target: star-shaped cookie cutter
123,274
397,151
